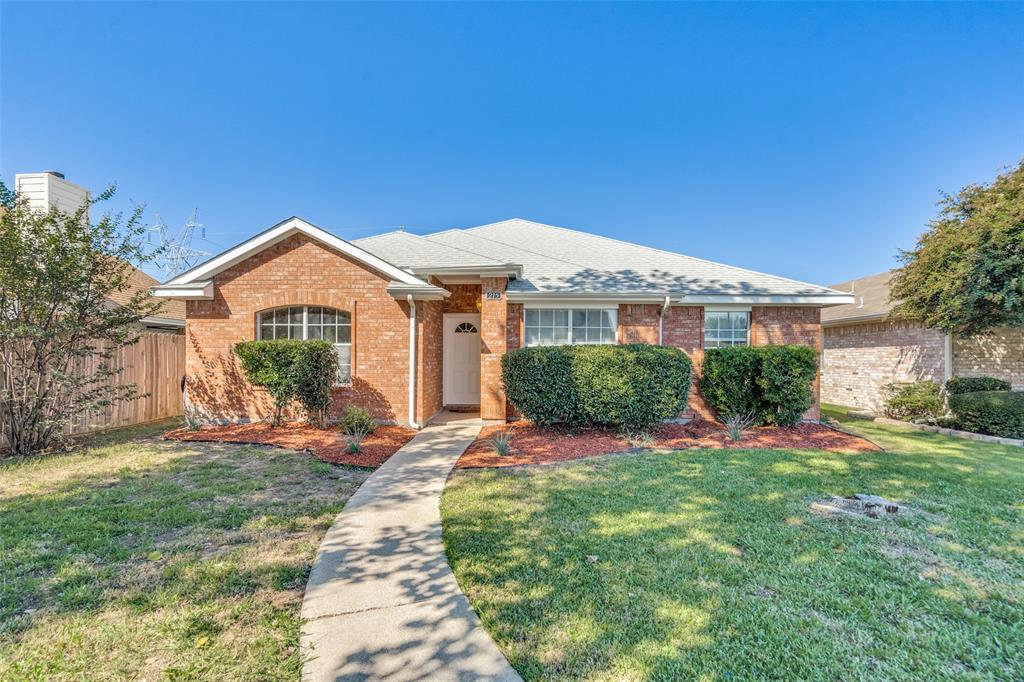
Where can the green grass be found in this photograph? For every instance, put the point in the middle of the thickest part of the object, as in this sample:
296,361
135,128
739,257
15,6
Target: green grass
136,558
710,565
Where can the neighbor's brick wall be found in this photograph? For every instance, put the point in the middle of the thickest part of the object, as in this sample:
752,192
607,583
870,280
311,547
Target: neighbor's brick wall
493,341
638,323
859,360
296,271
998,353
777,325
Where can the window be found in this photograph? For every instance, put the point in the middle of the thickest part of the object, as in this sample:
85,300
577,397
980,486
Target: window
312,322
466,328
552,327
726,329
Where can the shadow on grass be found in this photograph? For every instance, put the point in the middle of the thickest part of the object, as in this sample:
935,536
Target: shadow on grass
709,563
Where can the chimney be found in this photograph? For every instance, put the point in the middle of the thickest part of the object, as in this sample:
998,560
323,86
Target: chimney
50,188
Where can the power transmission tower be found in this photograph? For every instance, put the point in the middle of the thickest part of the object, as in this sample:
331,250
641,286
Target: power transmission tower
176,253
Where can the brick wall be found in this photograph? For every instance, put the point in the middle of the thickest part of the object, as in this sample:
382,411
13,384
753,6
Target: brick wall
465,298
859,360
683,328
777,325
429,359
297,271
998,353
638,323
493,340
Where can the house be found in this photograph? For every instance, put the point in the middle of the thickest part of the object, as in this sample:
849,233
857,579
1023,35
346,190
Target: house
421,322
866,348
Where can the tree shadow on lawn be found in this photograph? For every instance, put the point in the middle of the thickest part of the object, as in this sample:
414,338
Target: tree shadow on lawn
192,530
709,563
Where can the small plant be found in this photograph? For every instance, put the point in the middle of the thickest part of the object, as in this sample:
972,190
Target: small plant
736,424
354,438
193,422
357,420
918,400
638,438
502,443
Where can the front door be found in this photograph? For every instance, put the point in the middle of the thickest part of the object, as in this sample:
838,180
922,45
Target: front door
461,359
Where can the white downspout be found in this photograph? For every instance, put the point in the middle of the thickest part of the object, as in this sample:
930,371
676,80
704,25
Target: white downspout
412,362
661,321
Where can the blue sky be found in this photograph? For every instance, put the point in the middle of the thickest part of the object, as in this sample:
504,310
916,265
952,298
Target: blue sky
804,140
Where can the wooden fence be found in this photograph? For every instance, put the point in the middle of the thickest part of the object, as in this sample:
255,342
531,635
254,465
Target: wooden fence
155,364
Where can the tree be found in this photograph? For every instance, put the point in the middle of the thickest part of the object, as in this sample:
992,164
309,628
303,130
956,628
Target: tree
966,273
58,274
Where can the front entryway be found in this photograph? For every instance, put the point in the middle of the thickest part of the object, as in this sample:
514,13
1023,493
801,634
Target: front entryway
462,359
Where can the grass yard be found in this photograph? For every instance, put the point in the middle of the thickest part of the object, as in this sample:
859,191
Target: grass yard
137,558
710,564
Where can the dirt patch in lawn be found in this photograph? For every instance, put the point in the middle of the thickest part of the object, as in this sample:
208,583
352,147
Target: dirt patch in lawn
326,444
531,444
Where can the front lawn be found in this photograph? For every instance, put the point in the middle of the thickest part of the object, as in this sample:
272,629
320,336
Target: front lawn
712,564
137,558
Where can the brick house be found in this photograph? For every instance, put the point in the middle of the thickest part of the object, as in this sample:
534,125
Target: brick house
421,322
865,348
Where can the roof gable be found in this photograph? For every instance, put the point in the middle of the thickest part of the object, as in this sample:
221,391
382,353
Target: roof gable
279,232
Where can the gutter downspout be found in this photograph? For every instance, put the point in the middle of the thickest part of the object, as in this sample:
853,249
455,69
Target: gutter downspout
412,362
661,320
947,356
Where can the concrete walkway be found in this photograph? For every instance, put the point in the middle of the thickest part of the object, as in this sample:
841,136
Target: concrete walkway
382,602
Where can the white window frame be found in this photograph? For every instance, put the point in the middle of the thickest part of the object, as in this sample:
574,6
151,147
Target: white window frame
305,333
614,310
733,310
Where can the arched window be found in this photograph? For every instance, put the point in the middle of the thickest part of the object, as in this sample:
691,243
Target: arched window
466,328
312,322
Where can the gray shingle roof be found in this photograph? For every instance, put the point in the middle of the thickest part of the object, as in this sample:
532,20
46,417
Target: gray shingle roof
560,260
411,251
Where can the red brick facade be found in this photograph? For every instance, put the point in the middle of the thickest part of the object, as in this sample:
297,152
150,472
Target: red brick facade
301,271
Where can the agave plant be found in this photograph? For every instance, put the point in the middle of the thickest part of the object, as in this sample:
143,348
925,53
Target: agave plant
737,423
502,443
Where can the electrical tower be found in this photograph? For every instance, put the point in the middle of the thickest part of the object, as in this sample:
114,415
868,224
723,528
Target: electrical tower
175,253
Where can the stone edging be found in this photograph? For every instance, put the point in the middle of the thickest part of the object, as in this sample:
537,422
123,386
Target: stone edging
968,435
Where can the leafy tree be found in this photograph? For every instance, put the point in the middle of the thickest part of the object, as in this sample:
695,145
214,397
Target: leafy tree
58,274
966,273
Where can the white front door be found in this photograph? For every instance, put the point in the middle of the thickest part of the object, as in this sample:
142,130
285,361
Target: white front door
461,359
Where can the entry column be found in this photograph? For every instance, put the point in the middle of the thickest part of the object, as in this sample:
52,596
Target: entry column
493,312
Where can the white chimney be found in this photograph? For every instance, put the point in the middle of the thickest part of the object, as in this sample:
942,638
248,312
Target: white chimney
49,188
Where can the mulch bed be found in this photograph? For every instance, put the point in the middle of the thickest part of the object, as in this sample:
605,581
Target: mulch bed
533,444
326,444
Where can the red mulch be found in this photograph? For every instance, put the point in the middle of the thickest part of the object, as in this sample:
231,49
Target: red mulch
326,444
544,444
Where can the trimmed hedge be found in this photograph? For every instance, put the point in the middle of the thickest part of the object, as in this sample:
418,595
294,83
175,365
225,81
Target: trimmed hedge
958,385
770,383
996,413
291,369
631,386
917,400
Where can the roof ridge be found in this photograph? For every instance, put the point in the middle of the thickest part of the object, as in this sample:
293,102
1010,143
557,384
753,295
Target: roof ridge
516,246
426,238
657,250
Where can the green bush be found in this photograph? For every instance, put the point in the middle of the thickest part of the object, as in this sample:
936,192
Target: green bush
958,385
357,420
316,366
630,386
271,365
770,383
917,400
996,413
289,370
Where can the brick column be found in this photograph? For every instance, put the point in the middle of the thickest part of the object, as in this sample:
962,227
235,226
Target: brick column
493,342
683,328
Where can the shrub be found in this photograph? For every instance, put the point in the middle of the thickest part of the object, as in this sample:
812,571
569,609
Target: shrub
770,383
996,413
630,386
271,365
958,385
917,400
316,365
357,420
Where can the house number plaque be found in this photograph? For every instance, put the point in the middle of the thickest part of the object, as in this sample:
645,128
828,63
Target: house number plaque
493,295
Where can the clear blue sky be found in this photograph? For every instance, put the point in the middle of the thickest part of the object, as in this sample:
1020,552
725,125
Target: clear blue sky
804,140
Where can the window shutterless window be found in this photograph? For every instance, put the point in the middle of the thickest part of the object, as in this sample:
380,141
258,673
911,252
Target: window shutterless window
552,327
726,329
312,322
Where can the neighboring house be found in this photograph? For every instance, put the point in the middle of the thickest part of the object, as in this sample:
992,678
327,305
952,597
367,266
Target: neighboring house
421,322
865,349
